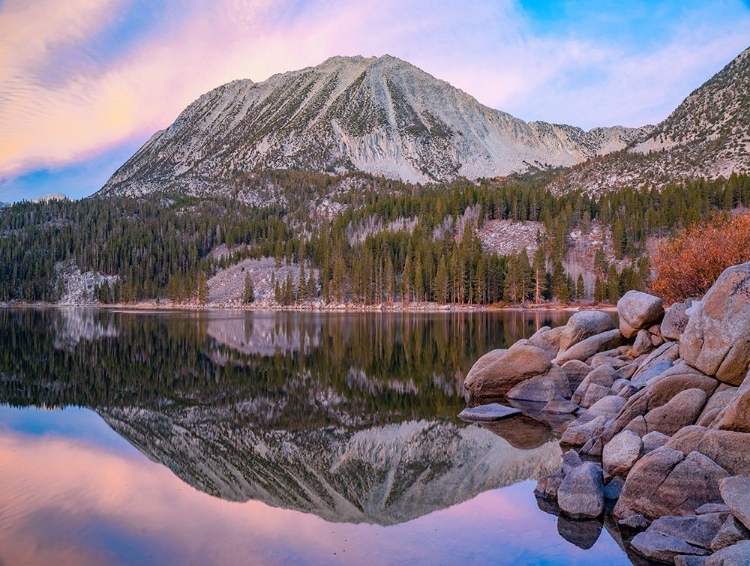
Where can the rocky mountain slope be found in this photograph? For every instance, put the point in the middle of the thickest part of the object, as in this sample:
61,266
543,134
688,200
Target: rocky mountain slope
708,135
379,115
383,475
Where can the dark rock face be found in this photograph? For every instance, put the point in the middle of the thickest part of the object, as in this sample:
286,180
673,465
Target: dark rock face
717,338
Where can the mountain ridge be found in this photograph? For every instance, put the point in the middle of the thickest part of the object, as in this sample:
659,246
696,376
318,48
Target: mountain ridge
379,115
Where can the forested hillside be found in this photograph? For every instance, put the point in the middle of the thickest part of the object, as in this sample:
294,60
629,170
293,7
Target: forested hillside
355,238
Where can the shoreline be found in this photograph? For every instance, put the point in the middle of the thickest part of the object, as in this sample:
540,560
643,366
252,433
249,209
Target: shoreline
333,308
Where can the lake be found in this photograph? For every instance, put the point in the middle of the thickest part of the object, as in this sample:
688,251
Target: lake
197,438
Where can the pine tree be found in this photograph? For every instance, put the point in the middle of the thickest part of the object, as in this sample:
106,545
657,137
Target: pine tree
540,274
202,289
441,282
613,285
580,288
249,294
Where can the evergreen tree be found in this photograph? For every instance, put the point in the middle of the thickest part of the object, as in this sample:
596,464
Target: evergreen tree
613,285
202,289
580,288
540,274
248,295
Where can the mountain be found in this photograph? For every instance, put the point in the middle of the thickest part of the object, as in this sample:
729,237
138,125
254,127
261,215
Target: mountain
708,135
378,115
383,475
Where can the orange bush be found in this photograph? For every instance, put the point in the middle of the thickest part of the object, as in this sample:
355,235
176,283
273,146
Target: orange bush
690,262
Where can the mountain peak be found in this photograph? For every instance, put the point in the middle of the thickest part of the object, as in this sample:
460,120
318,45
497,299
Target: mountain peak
381,115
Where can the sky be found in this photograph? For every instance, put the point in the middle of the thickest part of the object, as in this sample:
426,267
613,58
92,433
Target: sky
84,83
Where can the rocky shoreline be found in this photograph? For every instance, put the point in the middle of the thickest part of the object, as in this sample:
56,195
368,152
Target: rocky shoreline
658,447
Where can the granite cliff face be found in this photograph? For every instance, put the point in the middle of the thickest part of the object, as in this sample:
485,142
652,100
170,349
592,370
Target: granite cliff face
378,115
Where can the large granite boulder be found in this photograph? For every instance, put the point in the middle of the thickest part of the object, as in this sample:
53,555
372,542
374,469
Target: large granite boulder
698,530
717,337
590,346
666,482
581,492
548,339
682,410
498,376
489,358
583,325
638,310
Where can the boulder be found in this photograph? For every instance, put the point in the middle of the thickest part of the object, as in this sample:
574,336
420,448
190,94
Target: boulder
709,508
570,461
735,555
489,358
613,490
665,482
580,495
560,406
659,392
682,410
642,379
731,532
487,413
729,449
634,522
667,352
584,324
736,416
548,486
607,407
542,388
499,376
698,530
621,453
642,344
654,440
576,370
661,548
717,337
590,346
604,376
735,492
715,406
579,434
675,320
594,394
638,310
685,560
548,339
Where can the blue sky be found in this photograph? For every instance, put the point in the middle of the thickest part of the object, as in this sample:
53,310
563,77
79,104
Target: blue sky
84,83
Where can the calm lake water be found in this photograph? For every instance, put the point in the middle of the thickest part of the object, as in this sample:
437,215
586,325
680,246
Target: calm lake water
269,438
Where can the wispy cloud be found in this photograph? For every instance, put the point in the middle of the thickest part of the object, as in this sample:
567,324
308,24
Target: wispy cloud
72,88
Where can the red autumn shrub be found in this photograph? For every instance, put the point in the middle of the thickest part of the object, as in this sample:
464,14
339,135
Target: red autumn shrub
692,260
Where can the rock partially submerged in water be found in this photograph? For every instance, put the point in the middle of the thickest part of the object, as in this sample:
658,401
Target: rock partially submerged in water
487,413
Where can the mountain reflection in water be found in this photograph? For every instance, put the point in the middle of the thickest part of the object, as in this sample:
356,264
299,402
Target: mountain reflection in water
348,417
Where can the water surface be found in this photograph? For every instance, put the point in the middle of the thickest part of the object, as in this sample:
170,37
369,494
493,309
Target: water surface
268,438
